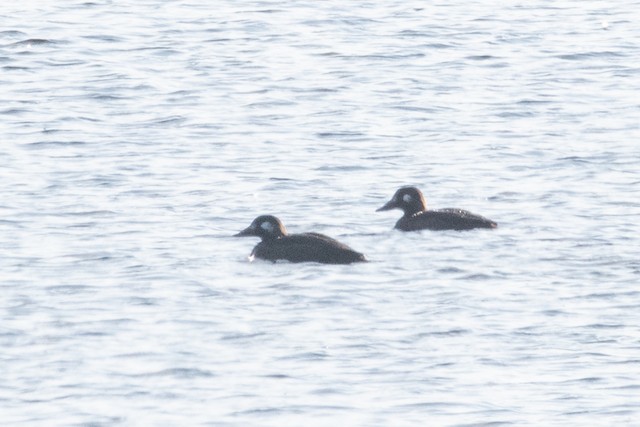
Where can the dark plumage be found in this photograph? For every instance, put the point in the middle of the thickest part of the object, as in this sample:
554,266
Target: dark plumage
417,217
314,247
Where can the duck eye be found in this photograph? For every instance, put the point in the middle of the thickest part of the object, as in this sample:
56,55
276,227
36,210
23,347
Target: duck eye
406,198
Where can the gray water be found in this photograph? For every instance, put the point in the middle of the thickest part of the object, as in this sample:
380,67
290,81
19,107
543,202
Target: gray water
137,137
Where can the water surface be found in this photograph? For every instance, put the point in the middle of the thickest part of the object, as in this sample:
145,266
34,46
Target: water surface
138,138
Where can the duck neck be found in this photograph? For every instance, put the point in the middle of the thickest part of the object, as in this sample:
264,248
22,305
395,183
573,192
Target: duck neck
412,210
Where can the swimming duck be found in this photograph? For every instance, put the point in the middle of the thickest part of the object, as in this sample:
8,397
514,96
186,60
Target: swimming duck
314,247
417,217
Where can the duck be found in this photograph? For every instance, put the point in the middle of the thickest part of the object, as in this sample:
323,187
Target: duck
276,244
416,216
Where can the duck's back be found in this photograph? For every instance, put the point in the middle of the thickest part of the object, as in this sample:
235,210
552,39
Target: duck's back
444,219
307,247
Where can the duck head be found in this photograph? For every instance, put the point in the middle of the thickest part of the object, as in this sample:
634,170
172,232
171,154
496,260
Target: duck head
265,227
408,199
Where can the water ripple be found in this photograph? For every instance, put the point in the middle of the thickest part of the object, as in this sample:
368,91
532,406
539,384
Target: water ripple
138,138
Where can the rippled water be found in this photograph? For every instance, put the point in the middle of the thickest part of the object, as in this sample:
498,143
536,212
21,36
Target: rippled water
138,137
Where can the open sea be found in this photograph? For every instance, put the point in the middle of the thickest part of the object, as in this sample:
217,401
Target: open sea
138,137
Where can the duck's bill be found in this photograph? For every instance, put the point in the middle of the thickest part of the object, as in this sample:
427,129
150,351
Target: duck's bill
387,206
246,232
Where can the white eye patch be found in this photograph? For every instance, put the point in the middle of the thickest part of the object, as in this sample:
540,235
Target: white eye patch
407,198
267,226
